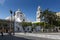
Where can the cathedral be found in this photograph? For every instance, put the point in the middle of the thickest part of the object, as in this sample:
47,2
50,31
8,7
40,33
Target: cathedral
19,17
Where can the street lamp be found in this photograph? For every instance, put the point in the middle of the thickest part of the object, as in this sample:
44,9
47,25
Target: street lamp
10,21
14,25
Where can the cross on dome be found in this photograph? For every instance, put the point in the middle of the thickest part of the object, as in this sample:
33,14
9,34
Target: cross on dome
18,9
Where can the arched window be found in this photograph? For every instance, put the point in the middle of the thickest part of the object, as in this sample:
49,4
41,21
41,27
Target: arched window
20,15
23,19
18,28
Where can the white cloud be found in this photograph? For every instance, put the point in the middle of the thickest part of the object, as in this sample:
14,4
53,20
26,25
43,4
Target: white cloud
2,1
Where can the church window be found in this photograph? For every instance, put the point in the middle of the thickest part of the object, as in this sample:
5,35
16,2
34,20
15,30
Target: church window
40,12
23,19
20,15
18,28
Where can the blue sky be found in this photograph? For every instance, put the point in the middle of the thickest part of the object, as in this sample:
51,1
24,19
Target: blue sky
28,7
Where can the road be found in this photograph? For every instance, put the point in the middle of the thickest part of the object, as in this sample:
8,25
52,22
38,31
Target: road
33,38
22,37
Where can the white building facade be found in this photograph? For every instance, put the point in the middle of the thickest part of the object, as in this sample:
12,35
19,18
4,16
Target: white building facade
18,18
38,14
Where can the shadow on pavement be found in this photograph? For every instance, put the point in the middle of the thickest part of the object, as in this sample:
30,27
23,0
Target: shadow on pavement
10,37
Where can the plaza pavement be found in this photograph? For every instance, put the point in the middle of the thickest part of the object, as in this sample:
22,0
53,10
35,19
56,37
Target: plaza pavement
11,37
31,36
55,36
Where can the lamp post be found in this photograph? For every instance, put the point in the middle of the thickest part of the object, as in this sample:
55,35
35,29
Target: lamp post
10,22
14,25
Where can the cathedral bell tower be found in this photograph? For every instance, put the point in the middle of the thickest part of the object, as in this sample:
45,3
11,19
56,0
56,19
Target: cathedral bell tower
38,14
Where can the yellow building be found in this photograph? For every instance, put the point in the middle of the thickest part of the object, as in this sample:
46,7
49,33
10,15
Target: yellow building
58,14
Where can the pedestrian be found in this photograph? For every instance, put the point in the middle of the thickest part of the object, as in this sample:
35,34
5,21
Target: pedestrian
1,33
9,32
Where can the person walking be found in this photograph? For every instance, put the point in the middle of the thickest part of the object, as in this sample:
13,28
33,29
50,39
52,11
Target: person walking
1,33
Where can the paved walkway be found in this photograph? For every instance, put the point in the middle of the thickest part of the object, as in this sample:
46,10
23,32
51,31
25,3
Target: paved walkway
42,35
8,37
18,36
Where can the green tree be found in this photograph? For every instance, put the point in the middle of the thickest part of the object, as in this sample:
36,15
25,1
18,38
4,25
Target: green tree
49,17
26,24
